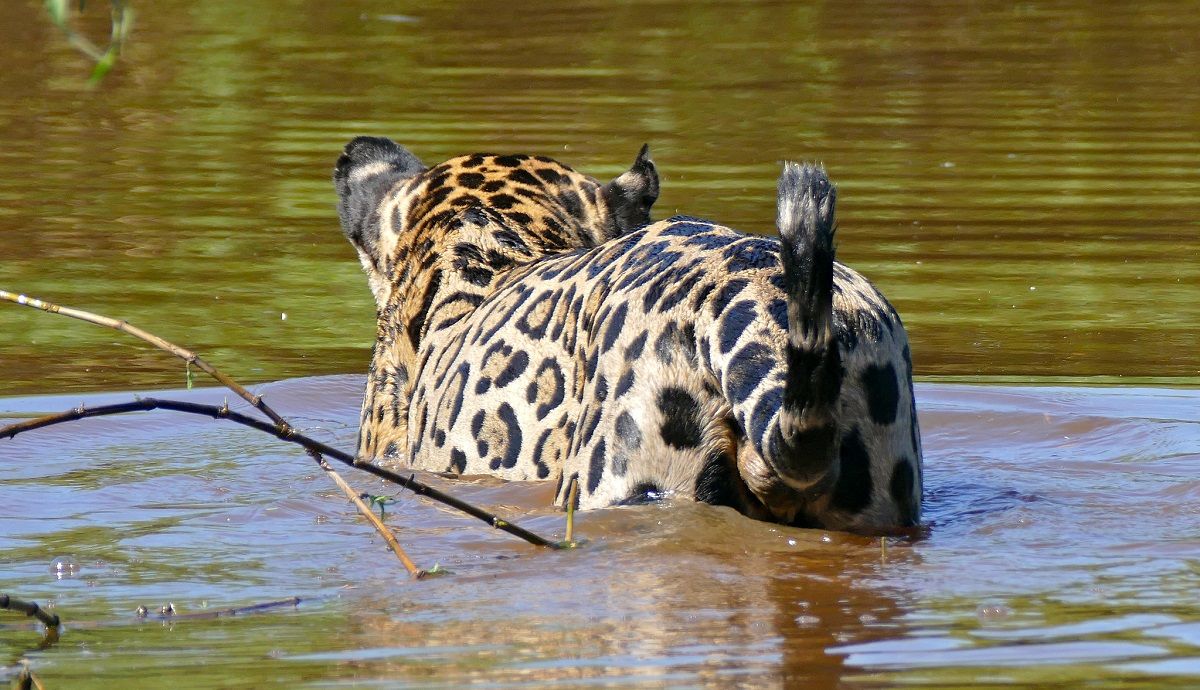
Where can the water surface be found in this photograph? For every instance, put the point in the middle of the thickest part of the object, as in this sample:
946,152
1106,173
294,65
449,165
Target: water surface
1021,180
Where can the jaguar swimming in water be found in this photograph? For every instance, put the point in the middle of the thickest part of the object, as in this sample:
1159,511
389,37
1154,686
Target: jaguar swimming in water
533,323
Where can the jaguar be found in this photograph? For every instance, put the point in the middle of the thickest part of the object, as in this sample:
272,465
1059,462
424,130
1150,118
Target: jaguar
534,323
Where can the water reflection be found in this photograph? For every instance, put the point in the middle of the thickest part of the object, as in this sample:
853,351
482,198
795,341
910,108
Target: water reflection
1017,179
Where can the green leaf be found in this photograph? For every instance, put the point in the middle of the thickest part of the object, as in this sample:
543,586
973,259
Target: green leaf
188,370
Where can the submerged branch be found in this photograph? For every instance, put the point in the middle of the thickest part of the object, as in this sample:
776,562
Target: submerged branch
29,608
289,435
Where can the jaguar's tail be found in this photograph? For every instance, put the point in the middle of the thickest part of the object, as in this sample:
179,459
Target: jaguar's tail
806,446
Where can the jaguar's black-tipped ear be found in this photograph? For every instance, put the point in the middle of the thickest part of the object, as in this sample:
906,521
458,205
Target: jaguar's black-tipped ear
366,170
631,195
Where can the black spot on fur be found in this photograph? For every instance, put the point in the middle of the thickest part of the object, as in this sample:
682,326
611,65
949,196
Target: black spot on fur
458,461
492,186
596,468
615,324
683,226
477,275
642,493
474,161
522,177
557,391
729,291
572,203
748,367
439,438
666,343
519,218
701,295
764,410
509,161
512,450
734,324
853,491
549,175
593,360
477,424
752,254
601,388
502,201
539,451
470,180
516,367
778,311
680,290
883,392
625,383
681,418
634,351
418,321
464,371
629,436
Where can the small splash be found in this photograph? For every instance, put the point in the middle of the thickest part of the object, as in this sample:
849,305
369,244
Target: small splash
64,567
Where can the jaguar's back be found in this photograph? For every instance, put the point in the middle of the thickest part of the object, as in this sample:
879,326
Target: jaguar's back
680,358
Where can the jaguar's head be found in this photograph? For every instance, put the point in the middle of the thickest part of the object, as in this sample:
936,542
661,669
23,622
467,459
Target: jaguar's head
396,210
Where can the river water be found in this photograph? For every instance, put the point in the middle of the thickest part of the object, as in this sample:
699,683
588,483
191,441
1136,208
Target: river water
1022,180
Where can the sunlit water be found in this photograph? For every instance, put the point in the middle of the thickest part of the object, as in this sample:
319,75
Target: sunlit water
1022,180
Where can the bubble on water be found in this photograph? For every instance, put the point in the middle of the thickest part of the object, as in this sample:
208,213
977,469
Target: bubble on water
791,542
64,567
992,612
807,621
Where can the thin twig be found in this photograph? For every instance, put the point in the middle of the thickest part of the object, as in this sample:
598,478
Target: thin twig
369,514
144,613
290,435
256,400
572,497
29,608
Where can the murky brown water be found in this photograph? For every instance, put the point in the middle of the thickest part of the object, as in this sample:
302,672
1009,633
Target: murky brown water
1023,181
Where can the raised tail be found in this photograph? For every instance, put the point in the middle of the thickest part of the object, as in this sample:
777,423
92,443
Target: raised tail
804,448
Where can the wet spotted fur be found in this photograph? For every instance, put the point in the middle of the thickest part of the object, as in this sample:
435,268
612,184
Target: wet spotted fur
534,325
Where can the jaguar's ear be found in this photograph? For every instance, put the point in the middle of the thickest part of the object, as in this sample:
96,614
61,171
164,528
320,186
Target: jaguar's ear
366,170
631,195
